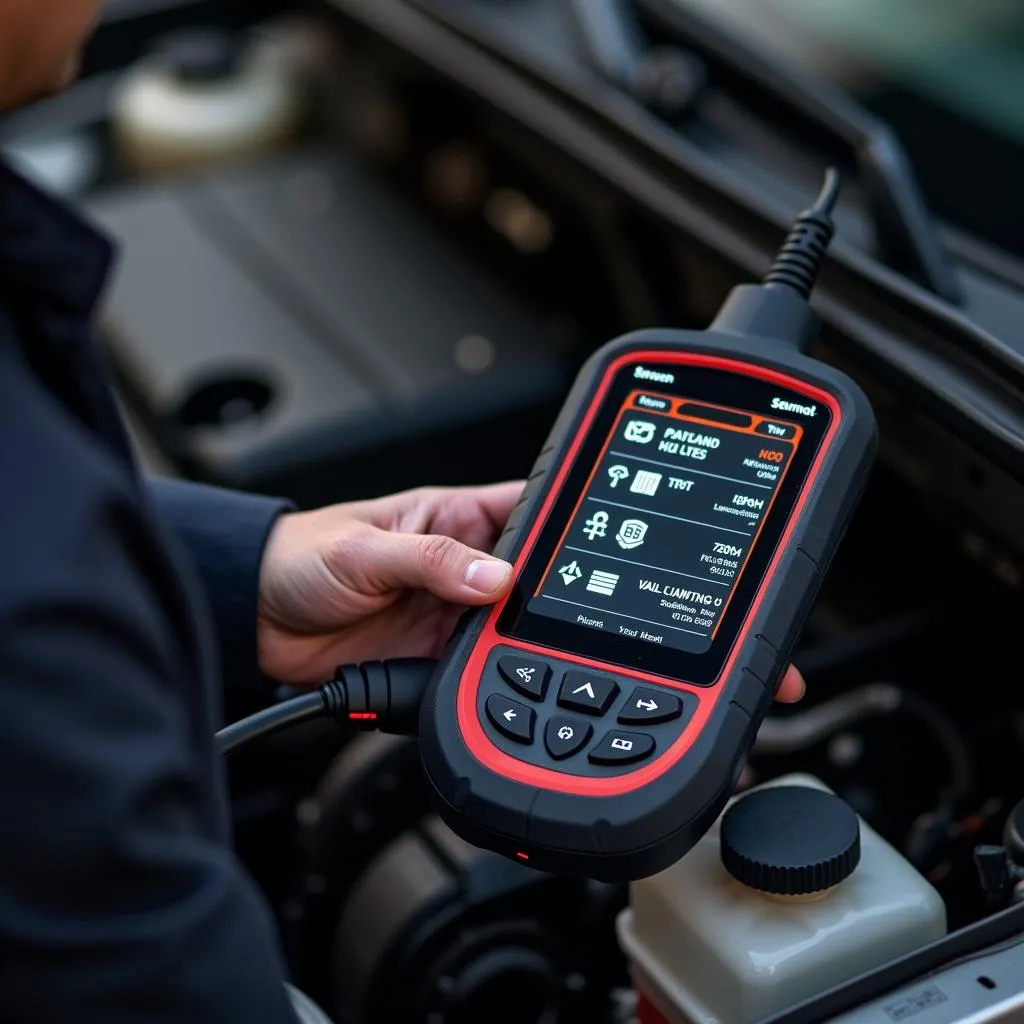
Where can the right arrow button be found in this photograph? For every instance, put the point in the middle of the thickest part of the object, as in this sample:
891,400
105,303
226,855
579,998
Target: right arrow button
647,707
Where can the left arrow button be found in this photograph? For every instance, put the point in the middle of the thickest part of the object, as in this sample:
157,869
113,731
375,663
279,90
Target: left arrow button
510,718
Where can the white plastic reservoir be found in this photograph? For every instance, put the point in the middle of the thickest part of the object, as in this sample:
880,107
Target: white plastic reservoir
706,948
202,98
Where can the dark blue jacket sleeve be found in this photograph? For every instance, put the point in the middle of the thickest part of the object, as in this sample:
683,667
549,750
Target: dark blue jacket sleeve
225,533
121,901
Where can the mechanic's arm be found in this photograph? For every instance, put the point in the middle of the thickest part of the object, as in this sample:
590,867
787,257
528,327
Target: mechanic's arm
119,900
225,533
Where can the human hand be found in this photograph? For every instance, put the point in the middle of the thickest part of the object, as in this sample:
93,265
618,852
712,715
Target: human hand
385,579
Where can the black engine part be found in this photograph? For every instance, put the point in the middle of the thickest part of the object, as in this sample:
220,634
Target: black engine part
388,892
471,935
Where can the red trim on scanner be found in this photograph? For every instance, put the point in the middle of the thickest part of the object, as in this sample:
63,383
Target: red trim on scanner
477,741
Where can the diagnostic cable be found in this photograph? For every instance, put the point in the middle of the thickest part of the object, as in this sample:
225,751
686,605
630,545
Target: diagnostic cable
378,696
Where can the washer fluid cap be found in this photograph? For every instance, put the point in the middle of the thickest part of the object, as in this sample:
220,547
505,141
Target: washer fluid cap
790,840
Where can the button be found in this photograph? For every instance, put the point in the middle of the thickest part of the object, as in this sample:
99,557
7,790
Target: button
764,661
582,691
793,599
511,718
783,431
749,693
528,676
714,413
655,402
645,707
564,736
622,748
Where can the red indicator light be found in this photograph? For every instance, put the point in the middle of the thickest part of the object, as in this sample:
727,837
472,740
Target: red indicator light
363,715
523,856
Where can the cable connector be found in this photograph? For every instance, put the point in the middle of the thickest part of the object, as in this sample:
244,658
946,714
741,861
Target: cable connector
378,696
778,308
382,696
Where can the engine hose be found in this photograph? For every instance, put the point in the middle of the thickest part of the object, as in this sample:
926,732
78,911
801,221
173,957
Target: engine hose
805,728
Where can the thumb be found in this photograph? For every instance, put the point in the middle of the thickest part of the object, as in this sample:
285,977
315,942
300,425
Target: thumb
441,565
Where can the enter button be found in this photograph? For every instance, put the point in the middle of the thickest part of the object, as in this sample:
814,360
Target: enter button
647,707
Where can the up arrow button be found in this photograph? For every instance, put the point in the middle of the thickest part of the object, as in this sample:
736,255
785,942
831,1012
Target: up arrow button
647,707
588,693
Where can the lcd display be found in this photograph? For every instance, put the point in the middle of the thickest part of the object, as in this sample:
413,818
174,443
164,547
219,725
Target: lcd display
668,519
661,532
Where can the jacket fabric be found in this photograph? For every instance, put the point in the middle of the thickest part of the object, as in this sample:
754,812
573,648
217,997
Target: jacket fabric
124,604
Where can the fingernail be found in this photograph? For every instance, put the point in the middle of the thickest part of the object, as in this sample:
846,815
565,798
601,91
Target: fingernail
486,575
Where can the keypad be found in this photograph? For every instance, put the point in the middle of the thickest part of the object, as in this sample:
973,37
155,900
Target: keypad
557,715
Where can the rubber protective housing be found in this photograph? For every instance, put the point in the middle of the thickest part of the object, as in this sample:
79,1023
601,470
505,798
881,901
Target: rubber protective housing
634,825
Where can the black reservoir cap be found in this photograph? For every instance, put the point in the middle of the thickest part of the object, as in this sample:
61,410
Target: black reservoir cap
790,840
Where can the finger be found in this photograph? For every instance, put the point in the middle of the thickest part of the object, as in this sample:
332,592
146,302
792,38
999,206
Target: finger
473,515
498,500
792,688
454,511
441,565
490,516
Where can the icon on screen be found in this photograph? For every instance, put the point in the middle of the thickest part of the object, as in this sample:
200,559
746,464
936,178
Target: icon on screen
631,534
618,473
640,431
596,526
570,573
645,482
602,582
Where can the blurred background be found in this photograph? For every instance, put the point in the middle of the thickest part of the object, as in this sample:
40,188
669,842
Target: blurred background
336,282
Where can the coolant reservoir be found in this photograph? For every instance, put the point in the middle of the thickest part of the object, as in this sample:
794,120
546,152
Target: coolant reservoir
205,97
787,895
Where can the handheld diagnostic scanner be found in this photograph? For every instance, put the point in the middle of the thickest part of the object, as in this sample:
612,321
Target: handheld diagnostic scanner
667,551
